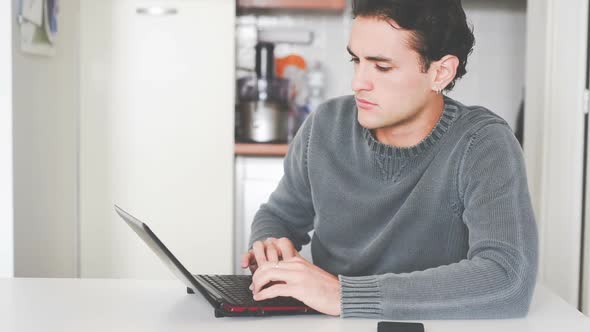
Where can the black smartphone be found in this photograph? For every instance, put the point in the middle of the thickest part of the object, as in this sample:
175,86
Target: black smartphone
399,327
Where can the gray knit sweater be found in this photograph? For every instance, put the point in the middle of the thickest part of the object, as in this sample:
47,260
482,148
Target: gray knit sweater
440,230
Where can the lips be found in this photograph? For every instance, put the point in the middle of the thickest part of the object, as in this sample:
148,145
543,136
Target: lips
364,104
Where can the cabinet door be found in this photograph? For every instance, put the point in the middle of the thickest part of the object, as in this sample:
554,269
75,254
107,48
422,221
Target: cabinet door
156,134
256,179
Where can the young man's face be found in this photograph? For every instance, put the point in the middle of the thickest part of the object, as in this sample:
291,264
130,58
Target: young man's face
388,83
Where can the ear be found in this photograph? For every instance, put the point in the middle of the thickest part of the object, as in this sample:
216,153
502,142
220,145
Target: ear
444,71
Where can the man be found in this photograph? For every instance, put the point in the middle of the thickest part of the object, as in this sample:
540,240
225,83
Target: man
419,204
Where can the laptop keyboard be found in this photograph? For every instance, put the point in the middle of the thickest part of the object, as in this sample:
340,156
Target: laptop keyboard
235,288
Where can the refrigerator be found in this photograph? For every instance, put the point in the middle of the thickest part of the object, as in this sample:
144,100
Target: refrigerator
156,134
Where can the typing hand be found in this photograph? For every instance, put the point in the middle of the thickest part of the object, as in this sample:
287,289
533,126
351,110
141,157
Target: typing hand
271,250
300,279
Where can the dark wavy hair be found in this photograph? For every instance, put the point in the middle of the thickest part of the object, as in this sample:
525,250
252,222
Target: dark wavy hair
439,27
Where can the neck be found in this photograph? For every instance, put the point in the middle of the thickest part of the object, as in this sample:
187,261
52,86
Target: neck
415,129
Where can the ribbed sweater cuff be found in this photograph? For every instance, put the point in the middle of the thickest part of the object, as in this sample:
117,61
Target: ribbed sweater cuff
360,297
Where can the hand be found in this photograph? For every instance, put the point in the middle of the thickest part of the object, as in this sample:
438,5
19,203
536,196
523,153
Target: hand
271,250
300,279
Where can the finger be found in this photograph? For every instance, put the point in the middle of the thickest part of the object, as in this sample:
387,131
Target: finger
245,261
286,248
295,261
253,267
264,276
272,253
258,249
252,264
274,291
292,264
252,258
270,240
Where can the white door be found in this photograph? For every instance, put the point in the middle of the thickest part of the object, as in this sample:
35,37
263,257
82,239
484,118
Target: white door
556,63
156,134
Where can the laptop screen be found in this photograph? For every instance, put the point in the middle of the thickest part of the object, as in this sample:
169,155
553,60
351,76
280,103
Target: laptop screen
158,248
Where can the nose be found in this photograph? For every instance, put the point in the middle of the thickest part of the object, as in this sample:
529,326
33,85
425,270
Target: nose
361,80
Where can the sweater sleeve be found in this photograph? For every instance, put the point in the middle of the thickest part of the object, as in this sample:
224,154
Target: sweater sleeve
289,211
497,278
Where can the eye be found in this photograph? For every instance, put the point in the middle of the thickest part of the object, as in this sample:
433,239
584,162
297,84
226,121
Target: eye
383,69
355,60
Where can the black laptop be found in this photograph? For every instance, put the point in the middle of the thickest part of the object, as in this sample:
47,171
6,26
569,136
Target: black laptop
228,294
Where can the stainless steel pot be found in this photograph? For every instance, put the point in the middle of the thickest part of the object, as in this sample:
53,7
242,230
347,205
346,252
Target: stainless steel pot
263,121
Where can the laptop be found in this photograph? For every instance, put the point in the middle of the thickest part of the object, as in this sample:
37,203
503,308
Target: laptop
228,294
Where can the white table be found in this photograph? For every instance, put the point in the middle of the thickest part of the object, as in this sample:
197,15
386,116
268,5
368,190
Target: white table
139,305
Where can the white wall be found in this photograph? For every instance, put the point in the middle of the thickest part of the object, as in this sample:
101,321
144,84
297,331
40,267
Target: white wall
45,110
496,69
6,233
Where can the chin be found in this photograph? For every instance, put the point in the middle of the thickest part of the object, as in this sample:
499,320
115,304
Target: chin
363,121
373,122
369,122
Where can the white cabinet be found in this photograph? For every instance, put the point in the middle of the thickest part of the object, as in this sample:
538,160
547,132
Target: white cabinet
256,178
156,134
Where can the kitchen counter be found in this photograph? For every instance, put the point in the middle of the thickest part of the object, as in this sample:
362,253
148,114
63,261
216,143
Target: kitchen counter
260,149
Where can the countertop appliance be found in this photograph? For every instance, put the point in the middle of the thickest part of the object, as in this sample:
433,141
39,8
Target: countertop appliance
262,110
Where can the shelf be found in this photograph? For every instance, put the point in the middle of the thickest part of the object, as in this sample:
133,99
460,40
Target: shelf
259,149
293,4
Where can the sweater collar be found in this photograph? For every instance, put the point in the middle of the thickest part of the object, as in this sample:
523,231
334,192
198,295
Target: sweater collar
443,124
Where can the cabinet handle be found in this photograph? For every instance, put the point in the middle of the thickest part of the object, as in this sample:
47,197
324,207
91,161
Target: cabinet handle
156,11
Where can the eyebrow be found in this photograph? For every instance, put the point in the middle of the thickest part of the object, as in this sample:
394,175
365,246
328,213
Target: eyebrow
376,58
